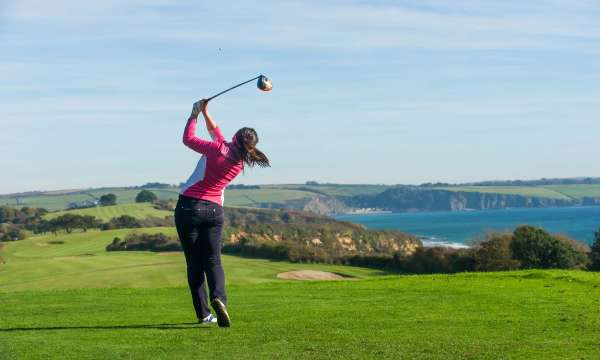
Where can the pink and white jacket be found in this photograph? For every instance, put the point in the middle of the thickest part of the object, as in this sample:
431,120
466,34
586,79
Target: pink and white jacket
219,165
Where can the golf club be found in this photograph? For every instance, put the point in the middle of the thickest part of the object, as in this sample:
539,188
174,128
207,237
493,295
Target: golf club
263,83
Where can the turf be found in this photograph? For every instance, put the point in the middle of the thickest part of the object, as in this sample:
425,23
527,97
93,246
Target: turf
79,260
526,315
532,191
336,189
283,193
64,297
250,197
105,213
577,191
234,197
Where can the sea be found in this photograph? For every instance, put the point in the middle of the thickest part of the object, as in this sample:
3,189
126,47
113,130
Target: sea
460,228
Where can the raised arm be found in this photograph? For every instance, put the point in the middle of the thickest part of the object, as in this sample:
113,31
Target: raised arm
189,133
211,125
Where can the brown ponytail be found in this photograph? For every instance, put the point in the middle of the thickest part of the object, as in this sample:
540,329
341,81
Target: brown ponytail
247,138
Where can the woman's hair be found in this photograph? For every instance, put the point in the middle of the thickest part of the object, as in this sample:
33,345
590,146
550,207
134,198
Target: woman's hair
247,138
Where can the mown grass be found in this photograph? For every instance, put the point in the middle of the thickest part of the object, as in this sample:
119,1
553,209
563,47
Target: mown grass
62,201
64,297
532,191
234,197
577,191
105,213
79,260
337,189
250,197
525,315
283,193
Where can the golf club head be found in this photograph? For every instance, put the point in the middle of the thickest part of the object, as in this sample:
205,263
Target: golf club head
264,83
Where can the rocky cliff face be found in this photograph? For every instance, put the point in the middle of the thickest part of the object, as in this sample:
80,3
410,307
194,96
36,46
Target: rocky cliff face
419,199
318,204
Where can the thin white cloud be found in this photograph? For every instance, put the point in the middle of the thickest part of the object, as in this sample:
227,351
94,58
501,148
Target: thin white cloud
326,25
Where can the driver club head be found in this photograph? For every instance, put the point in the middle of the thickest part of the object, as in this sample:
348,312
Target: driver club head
264,83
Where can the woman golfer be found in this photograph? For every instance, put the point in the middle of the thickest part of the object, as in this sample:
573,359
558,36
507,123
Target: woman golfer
199,211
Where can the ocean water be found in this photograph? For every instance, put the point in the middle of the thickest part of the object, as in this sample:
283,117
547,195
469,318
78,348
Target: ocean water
458,228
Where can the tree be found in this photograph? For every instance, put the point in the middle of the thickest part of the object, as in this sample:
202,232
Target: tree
108,199
69,222
595,253
145,196
89,222
121,222
537,249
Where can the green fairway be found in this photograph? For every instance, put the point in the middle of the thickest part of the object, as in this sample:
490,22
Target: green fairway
525,315
105,213
64,297
79,260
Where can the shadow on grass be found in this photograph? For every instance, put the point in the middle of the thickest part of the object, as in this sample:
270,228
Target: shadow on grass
176,326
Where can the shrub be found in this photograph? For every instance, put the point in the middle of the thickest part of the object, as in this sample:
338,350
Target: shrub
153,221
165,204
121,222
535,248
143,241
145,196
494,253
437,259
12,233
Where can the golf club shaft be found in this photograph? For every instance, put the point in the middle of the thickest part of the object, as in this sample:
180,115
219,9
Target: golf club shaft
231,88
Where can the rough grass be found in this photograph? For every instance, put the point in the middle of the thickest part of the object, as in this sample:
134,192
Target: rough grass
105,213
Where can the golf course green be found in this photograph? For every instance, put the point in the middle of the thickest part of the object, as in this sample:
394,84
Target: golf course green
64,297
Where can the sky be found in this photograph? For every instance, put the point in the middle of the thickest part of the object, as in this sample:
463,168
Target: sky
96,93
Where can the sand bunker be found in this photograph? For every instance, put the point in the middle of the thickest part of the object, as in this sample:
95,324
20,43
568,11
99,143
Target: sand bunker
312,275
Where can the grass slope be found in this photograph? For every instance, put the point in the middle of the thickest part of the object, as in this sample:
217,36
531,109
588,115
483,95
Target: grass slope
79,260
249,197
283,193
532,191
105,213
76,301
577,191
235,197
526,315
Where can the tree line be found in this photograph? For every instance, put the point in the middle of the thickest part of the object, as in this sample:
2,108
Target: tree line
527,247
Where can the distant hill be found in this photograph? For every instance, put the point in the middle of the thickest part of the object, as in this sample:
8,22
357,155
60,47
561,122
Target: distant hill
340,198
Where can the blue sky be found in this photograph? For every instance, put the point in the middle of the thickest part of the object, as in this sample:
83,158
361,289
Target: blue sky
96,93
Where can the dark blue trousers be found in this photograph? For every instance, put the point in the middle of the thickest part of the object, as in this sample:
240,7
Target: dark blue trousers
200,226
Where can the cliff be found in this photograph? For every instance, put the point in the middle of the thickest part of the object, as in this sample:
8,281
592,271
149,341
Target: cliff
420,199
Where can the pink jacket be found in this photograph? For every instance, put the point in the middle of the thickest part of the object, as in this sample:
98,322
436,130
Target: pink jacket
219,165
